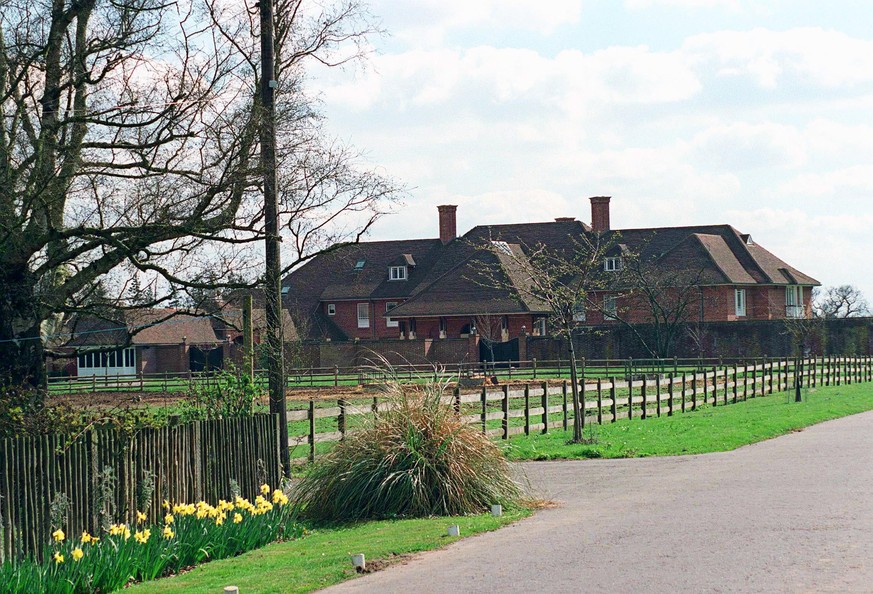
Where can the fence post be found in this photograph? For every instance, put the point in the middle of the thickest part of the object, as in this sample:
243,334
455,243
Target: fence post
645,396
684,383
670,377
457,400
612,396
534,368
505,411
706,388
311,417
341,418
484,409
694,389
599,402
564,405
630,397
545,407
527,409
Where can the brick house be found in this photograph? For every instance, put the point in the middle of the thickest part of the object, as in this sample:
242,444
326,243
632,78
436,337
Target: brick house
158,340
433,289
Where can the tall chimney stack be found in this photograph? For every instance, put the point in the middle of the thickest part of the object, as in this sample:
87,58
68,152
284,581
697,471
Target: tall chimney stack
599,213
448,222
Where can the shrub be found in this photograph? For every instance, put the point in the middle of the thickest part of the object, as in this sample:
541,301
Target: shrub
418,458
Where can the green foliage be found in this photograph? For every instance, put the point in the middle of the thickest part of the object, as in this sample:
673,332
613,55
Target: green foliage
192,534
231,393
418,458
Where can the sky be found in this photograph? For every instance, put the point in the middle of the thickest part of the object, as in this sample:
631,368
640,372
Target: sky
756,114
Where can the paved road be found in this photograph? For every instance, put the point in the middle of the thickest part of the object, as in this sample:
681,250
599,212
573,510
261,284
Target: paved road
793,514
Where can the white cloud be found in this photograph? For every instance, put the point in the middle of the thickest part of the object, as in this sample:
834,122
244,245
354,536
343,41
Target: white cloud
741,145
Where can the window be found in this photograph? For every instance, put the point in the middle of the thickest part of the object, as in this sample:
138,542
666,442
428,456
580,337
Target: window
794,301
397,273
359,265
539,327
612,264
609,308
412,328
388,321
363,315
740,302
579,312
331,309
444,327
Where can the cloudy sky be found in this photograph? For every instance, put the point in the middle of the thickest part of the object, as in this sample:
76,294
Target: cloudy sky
756,114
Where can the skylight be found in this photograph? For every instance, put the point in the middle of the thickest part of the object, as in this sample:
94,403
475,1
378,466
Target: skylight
502,247
359,265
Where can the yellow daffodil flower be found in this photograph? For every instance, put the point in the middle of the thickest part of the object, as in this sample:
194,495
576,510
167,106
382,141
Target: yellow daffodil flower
168,533
58,558
265,488
140,517
169,519
77,554
59,535
237,518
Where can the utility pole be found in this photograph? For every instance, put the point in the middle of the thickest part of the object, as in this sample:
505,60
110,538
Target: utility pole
273,274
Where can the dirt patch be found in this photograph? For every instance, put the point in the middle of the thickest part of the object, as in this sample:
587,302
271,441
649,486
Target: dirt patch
380,564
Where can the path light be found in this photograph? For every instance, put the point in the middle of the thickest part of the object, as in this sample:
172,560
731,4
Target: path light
359,562
454,530
231,590
496,510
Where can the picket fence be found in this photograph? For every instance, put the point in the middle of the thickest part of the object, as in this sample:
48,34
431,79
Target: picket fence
512,409
106,476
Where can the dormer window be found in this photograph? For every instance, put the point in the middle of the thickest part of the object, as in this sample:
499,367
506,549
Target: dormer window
613,264
397,273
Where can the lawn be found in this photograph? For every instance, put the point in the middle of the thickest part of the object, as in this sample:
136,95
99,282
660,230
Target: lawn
322,558
709,429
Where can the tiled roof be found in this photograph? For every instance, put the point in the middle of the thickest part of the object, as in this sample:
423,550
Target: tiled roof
145,327
447,279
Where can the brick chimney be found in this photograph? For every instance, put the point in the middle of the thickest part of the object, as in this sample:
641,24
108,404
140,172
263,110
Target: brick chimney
448,222
600,213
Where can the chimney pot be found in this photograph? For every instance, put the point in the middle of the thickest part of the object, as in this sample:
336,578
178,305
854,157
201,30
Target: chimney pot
448,222
600,213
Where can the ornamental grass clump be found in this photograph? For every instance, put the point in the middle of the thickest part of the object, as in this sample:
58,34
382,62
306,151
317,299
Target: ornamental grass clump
418,458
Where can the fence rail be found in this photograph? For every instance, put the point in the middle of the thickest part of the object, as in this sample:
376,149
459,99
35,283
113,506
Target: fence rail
107,476
315,377
511,409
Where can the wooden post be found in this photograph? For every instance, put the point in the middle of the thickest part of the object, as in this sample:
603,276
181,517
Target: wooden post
613,397
658,393
735,380
484,410
645,399
341,418
706,388
670,394
527,409
630,396
599,402
545,407
248,338
311,417
684,383
457,400
506,411
694,390
564,406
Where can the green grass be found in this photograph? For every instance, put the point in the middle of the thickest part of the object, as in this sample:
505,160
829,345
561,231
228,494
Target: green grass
709,429
322,558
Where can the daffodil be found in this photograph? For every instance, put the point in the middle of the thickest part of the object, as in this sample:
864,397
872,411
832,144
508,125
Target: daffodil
86,538
77,554
142,536
237,518
166,504
58,558
219,521
265,489
59,535
140,517
169,519
168,533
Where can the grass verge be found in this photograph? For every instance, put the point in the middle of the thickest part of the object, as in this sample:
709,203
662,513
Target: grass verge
709,429
322,558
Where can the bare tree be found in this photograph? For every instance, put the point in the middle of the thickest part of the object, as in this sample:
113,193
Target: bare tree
844,301
658,301
558,281
128,143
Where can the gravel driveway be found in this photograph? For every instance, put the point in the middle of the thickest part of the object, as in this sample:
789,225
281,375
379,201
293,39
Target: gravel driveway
793,514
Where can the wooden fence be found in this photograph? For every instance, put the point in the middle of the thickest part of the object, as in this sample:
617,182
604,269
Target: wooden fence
511,409
107,476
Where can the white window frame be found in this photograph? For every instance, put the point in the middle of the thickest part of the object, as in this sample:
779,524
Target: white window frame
118,362
794,301
539,327
579,313
331,309
610,307
613,264
363,315
390,323
397,273
740,302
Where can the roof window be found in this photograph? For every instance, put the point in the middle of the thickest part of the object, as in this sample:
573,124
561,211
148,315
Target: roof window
359,265
502,247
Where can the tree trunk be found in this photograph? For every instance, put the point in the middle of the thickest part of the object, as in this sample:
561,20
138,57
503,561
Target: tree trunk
574,382
21,348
